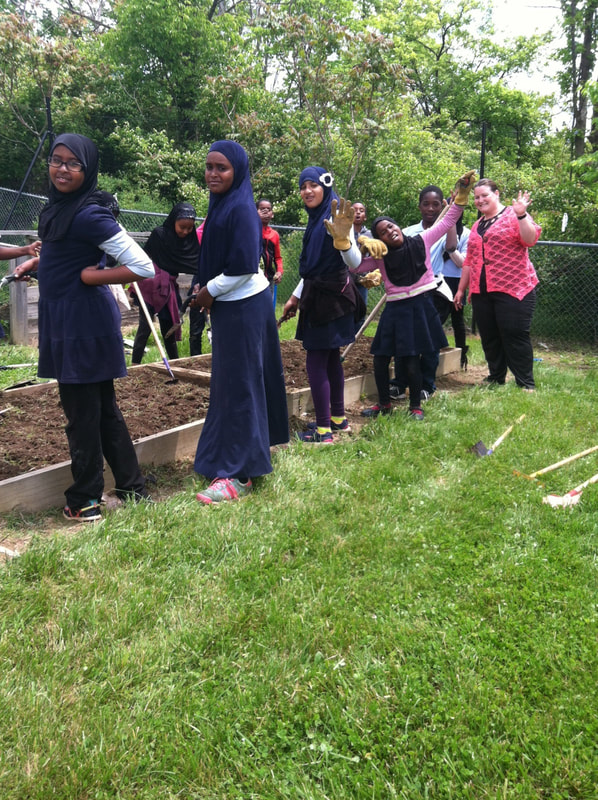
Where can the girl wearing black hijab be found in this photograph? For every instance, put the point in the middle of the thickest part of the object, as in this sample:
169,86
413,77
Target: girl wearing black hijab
173,247
248,406
80,341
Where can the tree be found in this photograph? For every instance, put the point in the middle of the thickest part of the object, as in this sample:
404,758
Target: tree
337,84
457,72
579,57
35,66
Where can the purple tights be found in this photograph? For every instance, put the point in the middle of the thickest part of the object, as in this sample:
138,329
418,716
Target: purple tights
327,383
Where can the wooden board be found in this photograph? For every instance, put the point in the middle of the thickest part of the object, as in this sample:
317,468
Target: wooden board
183,373
44,488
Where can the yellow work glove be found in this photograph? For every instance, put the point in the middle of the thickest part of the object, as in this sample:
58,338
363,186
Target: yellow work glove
340,224
371,279
373,247
463,188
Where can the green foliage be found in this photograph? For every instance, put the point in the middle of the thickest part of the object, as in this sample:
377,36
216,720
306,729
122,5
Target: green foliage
387,96
152,163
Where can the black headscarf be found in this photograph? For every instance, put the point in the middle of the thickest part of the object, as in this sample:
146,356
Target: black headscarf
406,264
169,251
232,237
56,216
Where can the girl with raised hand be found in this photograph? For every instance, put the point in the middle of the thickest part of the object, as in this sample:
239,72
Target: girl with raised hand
328,299
502,283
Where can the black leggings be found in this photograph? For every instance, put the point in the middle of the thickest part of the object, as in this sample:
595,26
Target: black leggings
144,330
96,430
411,368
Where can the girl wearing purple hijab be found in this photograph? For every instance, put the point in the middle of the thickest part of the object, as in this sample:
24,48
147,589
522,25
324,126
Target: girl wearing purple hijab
248,407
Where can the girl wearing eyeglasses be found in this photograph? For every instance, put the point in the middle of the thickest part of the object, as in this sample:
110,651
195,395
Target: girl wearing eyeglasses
80,341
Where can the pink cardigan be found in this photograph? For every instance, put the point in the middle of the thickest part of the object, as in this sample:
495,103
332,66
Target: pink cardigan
505,256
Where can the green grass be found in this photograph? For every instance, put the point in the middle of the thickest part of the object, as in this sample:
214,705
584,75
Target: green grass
390,617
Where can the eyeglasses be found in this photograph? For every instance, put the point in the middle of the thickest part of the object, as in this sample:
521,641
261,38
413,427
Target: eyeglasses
72,164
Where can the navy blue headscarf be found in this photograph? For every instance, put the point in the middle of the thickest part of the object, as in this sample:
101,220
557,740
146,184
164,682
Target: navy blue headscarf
232,234
318,255
56,216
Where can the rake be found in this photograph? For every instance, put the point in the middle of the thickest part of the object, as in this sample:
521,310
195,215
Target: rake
571,498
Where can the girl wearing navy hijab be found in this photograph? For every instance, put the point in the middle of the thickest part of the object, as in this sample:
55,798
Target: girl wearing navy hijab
80,341
174,248
248,407
328,299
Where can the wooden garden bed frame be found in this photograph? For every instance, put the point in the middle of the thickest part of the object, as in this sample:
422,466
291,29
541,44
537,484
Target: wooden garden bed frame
43,488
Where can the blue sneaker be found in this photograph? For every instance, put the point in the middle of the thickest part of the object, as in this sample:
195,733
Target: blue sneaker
376,410
313,437
338,427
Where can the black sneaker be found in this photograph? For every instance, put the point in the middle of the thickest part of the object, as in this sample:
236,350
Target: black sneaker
396,393
376,410
88,513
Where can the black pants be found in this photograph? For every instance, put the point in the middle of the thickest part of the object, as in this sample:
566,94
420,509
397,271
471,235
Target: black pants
144,330
197,323
457,315
96,430
504,324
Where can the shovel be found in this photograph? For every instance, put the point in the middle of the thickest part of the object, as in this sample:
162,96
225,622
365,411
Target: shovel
480,449
571,498
178,325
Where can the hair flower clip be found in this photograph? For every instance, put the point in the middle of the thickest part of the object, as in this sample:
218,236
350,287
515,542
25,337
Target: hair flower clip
326,179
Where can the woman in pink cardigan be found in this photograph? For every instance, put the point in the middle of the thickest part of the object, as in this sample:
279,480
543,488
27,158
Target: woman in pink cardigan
502,281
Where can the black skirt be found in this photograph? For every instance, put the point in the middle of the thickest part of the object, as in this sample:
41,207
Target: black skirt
408,328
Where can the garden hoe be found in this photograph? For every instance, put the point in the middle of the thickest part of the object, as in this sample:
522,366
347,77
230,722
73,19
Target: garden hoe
480,449
533,475
184,308
571,498
150,322
360,332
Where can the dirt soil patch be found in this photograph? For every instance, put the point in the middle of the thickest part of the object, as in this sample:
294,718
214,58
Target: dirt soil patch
32,430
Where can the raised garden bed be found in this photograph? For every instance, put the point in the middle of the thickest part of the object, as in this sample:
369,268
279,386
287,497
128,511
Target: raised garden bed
164,419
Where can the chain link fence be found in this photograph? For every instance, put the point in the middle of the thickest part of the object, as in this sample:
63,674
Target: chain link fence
566,311
567,306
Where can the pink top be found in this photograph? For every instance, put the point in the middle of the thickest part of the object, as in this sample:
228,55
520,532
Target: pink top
504,254
427,282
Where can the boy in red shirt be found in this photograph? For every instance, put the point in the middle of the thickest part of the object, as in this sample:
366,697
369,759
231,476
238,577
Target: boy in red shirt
271,257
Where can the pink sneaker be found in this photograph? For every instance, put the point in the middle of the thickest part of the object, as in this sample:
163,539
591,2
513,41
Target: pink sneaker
222,489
